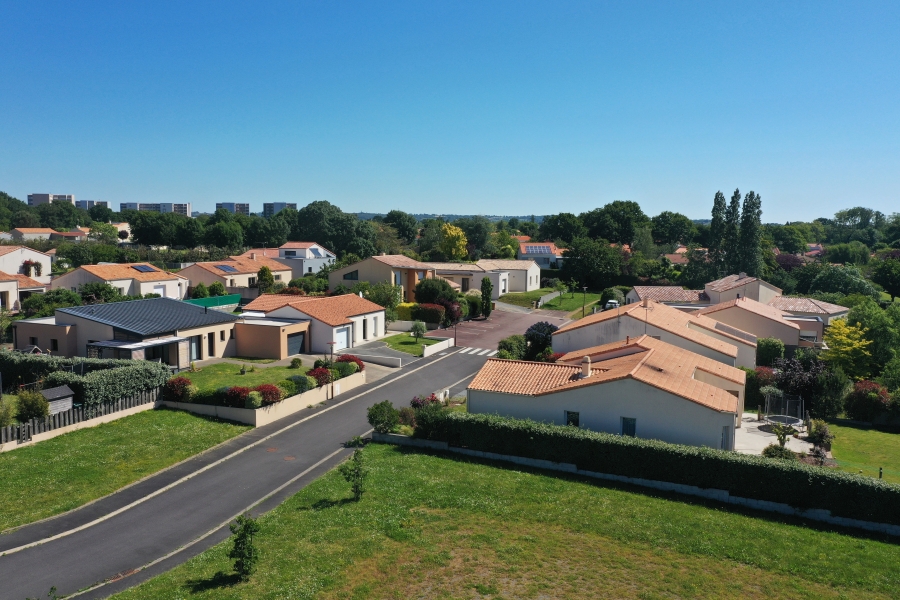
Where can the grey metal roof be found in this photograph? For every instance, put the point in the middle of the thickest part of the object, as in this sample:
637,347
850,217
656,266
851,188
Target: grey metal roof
56,393
152,316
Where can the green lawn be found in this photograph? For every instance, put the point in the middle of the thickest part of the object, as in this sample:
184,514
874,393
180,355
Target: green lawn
403,342
250,359
858,449
229,374
432,526
566,302
63,473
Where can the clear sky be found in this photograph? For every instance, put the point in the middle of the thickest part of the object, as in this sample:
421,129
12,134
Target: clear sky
452,107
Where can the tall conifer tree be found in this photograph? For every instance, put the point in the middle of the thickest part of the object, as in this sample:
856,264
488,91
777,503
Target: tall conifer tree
717,232
750,235
731,237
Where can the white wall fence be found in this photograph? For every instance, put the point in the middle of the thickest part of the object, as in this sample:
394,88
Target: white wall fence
435,348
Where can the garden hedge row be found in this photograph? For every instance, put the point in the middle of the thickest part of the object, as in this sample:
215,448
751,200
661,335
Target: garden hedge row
109,385
19,368
790,482
429,313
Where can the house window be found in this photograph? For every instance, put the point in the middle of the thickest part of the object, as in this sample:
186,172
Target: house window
365,328
573,418
290,253
32,341
231,334
420,275
74,289
309,270
465,284
54,345
278,278
352,275
397,278
222,335
629,426
375,326
251,281
231,283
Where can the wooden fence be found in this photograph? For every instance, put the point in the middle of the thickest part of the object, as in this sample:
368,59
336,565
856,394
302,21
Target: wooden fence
22,432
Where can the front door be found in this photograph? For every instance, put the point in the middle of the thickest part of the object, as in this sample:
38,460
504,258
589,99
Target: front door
211,345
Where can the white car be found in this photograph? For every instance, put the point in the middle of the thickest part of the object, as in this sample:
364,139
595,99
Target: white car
611,304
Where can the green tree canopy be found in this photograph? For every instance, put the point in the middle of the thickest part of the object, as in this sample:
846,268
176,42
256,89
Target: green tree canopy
672,228
591,262
843,280
616,221
887,274
404,223
564,226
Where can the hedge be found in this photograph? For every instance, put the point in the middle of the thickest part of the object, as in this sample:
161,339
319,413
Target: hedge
429,313
404,311
18,367
110,385
790,482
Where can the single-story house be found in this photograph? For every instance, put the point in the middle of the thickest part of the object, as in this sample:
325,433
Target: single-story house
641,388
765,321
335,322
740,286
70,236
696,333
808,307
27,261
505,275
393,268
545,254
235,272
22,234
303,258
524,275
161,329
666,294
131,279
16,288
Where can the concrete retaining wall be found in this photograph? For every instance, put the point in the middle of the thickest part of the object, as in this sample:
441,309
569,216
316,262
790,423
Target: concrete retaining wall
814,514
267,414
435,348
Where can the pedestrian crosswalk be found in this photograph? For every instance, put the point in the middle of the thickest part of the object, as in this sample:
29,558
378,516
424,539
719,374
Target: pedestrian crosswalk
478,351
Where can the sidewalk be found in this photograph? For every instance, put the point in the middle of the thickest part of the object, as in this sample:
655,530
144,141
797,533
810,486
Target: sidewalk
749,439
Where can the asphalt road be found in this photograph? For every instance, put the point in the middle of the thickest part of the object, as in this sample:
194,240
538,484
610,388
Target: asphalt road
148,528
487,333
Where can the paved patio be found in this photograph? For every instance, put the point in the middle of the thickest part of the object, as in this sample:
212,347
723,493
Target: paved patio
750,440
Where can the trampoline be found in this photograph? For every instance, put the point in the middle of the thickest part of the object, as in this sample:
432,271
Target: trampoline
784,409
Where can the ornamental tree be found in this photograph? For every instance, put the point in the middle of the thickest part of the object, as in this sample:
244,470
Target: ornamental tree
487,290
539,338
848,349
453,242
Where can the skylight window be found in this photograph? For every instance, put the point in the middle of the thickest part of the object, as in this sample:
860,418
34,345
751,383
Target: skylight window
143,268
226,268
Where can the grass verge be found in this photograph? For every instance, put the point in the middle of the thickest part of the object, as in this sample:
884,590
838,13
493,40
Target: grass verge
251,359
65,472
402,342
229,374
567,302
433,526
856,449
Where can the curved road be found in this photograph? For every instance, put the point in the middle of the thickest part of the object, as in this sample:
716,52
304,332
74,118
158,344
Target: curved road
132,535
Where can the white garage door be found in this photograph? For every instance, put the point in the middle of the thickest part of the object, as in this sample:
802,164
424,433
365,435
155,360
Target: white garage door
160,289
341,337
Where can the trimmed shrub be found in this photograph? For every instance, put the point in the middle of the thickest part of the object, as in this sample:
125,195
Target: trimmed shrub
236,397
452,311
31,405
177,389
404,311
429,291
427,418
270,393
429,313
322,376
345,369
792,482
322,363
7,413
819,433
352,359
383,417
19,368
110,385
759,378
296,363
867,401
514,346
304,383
768,350
505,355
407,416
611,293
288,387
539,337
474,303
776,451
254,400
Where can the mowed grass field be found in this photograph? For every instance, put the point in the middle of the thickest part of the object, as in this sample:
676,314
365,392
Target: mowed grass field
569,301
435,526
866,450
225,374
403,342
65,472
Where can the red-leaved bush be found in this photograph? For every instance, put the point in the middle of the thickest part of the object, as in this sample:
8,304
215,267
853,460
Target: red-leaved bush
765,376
867,401
236,397
353,359
321,375
270,393
177,389
420,401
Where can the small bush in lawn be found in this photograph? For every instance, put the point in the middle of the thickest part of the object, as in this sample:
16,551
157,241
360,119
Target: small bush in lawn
236,397
322,363
254,400
322,376
408,417
819,433
867,401
355,472
418,329
776,451
383,417
32,405
177,389
288,388
304,383
270,393
7,413
296,363
420,401
244,551
427,416
349,358
355,442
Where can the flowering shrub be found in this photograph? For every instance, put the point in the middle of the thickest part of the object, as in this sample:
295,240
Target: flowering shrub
321,375
270,393
29,265
867,401
420,401
236,397
353,359
549,356
292,291
452,311
177,389
404,311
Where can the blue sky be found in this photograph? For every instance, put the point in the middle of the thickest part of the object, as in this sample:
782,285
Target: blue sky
486,107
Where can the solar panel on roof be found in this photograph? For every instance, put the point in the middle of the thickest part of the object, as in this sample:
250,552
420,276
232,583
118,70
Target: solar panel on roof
226,268
143,268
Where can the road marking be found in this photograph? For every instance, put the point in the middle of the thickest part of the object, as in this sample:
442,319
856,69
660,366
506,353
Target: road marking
492,353
201,470
466,350
483,352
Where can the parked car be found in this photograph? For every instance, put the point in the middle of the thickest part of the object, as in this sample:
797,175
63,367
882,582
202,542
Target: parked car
611,304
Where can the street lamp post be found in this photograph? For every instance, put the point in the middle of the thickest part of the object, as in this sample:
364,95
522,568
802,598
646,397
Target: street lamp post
331,350
583,299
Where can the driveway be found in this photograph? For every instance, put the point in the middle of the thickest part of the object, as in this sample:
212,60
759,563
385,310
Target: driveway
148,528
487,333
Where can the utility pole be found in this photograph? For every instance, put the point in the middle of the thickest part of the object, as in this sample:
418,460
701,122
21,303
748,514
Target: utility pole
583,299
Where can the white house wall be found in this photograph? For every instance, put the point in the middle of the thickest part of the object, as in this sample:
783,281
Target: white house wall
746,356
659,414
11,263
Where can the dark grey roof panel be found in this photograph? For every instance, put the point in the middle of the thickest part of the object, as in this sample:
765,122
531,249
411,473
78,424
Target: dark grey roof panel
152,316
56,393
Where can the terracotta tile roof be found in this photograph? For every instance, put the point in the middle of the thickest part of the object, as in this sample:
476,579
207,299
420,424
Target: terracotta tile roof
399,261
505,265
729,283
670,293
268,302
23,281
8,249
71,234
299,245
540,248
522,238
242,266
807,305
663,366
267,252
127,271
673,321
677,259
35,230
750,305
461,267
331,310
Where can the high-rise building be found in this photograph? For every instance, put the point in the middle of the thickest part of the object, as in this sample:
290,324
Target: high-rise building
234,207
160,207
89,204
273,208
38,199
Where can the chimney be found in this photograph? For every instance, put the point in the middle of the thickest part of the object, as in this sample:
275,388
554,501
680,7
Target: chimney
382,254
585,367
645,302
741,275
253,256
